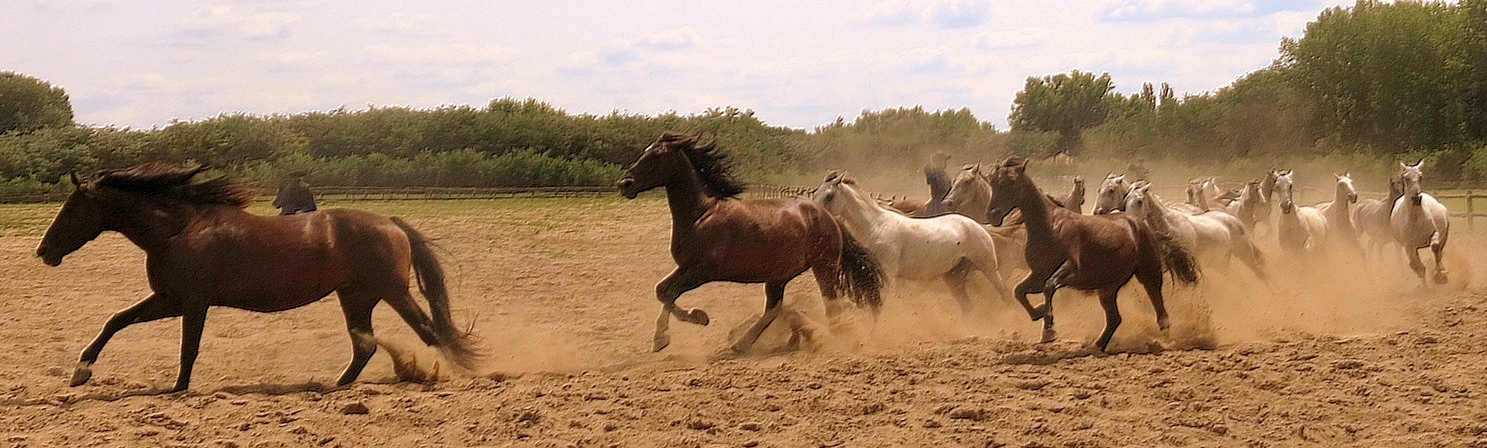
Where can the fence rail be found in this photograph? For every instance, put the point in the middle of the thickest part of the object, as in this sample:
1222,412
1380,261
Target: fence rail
343,193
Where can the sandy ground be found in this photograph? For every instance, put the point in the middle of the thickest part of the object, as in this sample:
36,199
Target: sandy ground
1328,353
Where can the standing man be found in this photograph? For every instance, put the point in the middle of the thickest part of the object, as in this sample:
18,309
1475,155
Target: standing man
294,195
939,184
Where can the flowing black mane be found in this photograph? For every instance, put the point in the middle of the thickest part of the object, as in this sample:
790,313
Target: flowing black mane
174,182
711,164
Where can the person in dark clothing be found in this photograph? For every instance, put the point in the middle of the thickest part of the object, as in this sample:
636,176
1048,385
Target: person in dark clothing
294,196
939,184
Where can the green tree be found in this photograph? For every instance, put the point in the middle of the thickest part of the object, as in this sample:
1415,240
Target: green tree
1063,103
28,104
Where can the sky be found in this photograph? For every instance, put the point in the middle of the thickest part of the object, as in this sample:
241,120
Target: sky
795,63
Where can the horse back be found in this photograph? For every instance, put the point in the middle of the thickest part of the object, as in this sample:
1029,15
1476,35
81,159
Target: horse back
1104,248
237,259
758,240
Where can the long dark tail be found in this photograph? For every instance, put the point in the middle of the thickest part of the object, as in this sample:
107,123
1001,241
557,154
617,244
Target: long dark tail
1176,259
860,278
456,345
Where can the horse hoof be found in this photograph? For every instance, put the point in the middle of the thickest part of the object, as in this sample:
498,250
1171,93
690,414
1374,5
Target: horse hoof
661,343
699,317
1049,336
80,376
1440,278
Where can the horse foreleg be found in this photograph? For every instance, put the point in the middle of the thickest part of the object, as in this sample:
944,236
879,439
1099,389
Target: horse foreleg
774,294
154,307
667,291
1413,254
1112,316
193,322
1051,286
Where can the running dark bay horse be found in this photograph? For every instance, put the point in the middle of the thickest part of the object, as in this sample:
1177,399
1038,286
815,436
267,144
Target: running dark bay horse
1085,252
717,237
203,249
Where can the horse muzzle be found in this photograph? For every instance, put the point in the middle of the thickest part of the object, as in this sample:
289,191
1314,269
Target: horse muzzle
51,258
626,185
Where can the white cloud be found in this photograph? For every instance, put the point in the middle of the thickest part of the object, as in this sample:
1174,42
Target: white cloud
216,21
441,54
398,23
1018,38
948,14
959,13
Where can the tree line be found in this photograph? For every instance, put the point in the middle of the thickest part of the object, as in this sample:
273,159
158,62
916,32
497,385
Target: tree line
1365,85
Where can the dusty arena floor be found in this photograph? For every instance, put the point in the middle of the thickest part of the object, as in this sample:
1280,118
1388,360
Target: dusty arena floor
1340,352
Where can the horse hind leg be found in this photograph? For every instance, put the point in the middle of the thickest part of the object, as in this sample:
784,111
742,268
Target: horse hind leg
774,293
1438,248
1112,317
154,307
955,279
358,311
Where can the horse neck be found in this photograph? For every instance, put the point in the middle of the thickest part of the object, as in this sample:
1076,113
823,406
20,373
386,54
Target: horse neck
1037,210
862,213
687,199
151,223
1340,202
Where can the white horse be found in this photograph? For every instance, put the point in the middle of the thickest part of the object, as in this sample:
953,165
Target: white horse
1372,217
1301,229
970,195
1418,221
946,246
1214,236
1341,231
1111,196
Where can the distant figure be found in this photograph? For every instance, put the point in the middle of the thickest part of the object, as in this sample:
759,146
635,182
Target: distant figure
939,184
294,196
1138,169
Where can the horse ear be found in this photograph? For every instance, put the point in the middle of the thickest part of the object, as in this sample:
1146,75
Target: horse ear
1420,164
75,181
1078,178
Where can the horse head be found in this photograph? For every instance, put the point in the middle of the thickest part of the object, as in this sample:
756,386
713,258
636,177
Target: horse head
1137,200
1345,189
1283,185
1112,194
658,164
968,190
1409,177
84,216
836,192
1007,191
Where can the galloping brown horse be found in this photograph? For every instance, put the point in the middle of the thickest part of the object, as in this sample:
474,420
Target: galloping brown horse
203,249
1085,252
717,237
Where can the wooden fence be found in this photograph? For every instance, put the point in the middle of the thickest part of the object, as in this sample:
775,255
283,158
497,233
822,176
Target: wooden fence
1467,197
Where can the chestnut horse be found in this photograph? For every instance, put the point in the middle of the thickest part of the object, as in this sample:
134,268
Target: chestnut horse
203,249
1085,252
717,237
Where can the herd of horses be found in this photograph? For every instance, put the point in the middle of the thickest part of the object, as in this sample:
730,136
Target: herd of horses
204,249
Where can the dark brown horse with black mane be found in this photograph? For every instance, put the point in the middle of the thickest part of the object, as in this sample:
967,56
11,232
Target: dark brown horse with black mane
717,237
203,249
1085,252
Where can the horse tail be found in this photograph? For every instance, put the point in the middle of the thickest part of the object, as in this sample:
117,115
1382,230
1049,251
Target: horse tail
1175,258
456,345
860,276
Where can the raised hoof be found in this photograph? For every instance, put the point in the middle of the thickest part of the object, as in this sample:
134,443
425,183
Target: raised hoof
661,342
81,376
1440,277
697,316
